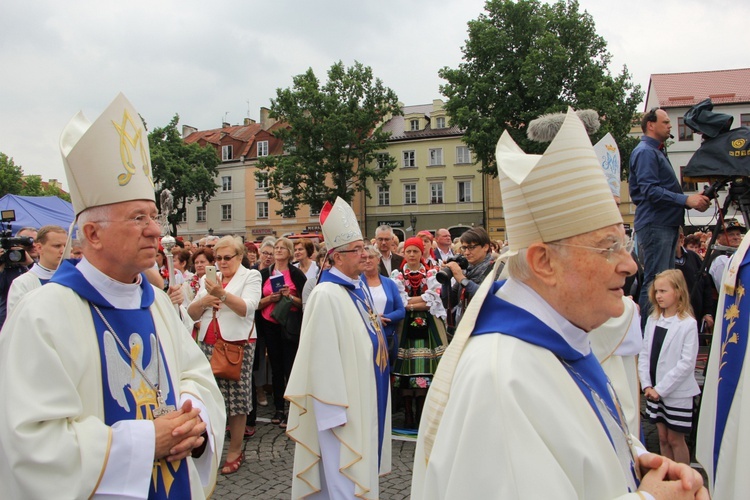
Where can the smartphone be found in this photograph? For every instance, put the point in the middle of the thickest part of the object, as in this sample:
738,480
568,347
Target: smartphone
211,274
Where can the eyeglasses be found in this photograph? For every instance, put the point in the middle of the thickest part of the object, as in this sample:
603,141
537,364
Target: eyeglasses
468,247
359,250
142,221
267,254
225,258
626,245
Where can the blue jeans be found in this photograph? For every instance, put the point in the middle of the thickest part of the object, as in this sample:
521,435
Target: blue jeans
656,248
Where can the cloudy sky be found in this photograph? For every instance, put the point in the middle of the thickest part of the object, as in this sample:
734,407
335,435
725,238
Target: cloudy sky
222,60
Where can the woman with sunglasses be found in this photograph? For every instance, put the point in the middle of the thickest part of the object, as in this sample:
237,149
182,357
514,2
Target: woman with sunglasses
226,308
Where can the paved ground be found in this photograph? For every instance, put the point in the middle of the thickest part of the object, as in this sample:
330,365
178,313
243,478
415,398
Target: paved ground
267,472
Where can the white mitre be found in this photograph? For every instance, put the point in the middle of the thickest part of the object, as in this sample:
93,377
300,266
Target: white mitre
339,224
107,161
557,195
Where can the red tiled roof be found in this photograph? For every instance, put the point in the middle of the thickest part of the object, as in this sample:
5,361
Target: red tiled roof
243,133
687,89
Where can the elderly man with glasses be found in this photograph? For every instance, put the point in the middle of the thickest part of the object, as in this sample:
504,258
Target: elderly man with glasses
660,202
110,397
339,388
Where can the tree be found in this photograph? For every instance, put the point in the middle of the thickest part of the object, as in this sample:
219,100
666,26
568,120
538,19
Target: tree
11,176
525,58
187,170
332,138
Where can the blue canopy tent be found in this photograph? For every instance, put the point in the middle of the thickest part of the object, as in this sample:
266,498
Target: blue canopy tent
38,211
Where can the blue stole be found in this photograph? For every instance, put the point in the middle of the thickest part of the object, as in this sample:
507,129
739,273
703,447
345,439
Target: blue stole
733,337
125,394
382,374
500,317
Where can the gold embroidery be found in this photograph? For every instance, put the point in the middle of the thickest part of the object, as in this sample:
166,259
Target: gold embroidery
131,140
731,314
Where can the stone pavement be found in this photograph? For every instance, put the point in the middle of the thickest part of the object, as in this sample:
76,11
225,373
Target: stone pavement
267,471
269,456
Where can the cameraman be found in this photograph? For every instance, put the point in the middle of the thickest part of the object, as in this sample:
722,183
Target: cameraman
475,246
9,272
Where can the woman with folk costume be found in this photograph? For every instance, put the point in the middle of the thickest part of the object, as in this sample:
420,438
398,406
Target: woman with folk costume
118,400
423,339
339,389
519,406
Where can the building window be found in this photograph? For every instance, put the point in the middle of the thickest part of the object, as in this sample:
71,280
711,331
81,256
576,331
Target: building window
183,216
687,186
410,159
384,196
414,124
685,133
263,148
226,153
436,193
226,212
383,160
440,122
261,183
200,214
410,194
463,154
436,156
745,119
262,209
286,211
226,183
464,191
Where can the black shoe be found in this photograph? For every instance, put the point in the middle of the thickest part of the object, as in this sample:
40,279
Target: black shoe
283,423
278,417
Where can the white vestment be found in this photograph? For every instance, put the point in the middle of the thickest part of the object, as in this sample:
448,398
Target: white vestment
517,426
730,477
25,283
52,432
334,365
616,345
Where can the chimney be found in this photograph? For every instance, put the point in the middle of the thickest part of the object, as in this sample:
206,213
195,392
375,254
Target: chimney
225,125
249,121
266,121
187,130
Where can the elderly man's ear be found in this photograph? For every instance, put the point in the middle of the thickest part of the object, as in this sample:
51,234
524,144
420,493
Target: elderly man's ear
543,264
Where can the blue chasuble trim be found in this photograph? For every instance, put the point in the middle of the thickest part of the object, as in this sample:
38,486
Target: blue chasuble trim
125,395
382,377
734,332
500,317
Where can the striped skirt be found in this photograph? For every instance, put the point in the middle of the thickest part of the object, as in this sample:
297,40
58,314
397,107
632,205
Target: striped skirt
675,413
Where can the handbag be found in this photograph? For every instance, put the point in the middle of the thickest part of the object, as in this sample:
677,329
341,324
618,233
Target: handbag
281,312
289,320
226,360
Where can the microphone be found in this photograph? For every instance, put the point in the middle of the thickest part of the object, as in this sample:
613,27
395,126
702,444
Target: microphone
671,136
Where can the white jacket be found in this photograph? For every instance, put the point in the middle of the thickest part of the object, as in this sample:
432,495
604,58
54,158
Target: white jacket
246,284
675,370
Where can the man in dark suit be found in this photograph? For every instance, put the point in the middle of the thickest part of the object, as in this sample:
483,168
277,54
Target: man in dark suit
388,260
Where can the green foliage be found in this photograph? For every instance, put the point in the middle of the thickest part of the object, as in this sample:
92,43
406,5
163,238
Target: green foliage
13,181
334,132
187,170
11,176
525,58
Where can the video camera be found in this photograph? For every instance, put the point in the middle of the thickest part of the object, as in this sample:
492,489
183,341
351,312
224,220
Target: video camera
445,274
12,255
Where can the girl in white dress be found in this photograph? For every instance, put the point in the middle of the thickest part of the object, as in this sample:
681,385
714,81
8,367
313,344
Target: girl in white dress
666,364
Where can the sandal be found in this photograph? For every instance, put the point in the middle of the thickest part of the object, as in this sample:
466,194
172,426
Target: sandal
249,431
277,418
283,423
234,466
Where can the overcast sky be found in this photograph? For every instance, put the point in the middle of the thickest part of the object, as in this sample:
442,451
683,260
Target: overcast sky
223,60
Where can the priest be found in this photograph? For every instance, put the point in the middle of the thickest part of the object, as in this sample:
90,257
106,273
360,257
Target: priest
105,394
339,388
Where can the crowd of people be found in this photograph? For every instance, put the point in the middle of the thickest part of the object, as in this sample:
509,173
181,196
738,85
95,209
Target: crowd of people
521,363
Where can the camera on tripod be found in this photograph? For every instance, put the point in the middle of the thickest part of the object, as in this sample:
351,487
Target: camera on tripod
445,274
12,255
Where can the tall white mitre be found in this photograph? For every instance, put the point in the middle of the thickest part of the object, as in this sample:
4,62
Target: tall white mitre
560,194
546,198
107,161
339,224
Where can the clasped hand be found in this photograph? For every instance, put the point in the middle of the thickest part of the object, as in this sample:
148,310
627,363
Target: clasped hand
178,433
666,479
